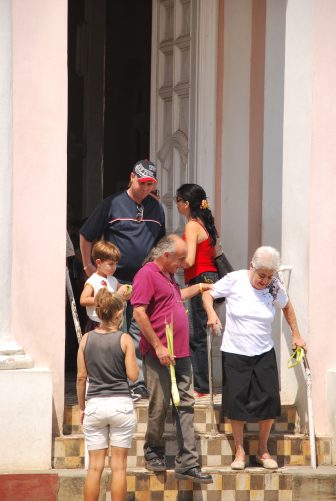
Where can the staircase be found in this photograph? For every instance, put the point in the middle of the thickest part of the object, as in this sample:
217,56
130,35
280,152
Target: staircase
294,480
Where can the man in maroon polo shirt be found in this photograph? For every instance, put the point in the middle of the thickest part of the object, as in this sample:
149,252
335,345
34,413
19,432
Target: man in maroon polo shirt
157,300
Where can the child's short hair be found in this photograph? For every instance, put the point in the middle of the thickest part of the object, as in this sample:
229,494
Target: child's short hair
107,304
105,250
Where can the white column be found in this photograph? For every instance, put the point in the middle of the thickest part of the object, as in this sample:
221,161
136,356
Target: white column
273,142
12,355
273,121
236,117
203,130
296,172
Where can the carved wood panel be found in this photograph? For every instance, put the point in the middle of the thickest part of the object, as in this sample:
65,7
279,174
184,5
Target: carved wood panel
172,59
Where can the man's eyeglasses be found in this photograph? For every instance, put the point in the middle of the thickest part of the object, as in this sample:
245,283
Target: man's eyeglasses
139,214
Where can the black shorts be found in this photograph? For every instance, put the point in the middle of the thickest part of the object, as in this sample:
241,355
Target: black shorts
250,386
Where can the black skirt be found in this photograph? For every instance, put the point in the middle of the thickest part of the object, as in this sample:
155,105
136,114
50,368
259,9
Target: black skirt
250,387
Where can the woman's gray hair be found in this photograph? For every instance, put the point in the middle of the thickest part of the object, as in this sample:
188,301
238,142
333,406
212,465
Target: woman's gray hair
266,257
166,244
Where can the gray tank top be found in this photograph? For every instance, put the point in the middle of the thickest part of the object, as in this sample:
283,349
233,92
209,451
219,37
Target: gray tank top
105,364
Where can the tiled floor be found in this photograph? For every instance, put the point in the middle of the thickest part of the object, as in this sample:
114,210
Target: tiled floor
215,447
227,485
70,395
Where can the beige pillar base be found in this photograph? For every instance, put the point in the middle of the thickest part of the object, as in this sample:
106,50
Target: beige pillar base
331,408
12,356
8,362
26,418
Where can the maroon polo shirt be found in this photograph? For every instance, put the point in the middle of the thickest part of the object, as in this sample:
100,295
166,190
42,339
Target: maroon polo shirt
162,296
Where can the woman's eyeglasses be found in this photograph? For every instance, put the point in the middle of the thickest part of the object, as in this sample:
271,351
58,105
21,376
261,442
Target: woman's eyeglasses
139,214
269,277
178,199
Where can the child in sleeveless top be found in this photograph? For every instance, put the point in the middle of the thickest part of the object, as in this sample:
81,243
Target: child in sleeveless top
105,256
106,357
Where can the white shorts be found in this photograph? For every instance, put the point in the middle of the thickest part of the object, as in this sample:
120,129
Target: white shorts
109,421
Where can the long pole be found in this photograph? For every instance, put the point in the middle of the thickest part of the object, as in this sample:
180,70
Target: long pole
79,337
73,306
311,427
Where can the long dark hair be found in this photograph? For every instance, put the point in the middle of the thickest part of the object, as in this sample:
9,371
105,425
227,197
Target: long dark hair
196,196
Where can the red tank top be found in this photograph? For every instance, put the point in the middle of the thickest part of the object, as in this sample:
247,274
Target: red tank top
204,260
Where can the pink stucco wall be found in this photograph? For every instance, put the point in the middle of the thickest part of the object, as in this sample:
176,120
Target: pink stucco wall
39,194
322,207
39,177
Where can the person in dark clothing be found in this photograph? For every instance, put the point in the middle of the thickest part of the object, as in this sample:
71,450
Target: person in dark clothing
200,235
134,221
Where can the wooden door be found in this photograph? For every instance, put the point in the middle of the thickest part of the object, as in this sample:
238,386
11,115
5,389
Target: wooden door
183,97
172,59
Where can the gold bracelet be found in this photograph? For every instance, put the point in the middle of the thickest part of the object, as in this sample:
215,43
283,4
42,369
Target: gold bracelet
201,288
85,267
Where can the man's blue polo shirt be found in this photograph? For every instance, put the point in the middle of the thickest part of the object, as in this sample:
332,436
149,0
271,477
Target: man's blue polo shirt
115,220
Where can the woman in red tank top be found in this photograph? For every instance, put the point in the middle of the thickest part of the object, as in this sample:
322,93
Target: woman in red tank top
200,234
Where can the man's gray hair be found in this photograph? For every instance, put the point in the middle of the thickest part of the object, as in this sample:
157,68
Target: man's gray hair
166,244
266,257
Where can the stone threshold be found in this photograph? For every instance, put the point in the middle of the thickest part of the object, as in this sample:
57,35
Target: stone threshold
252,484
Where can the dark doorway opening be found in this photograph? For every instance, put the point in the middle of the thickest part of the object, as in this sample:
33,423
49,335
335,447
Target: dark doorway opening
109,66
128,73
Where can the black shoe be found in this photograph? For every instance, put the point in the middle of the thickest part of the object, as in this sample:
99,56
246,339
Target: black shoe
140,390
155,464
196,475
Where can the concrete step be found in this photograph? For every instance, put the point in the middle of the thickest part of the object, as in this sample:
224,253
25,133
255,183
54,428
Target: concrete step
214,450
253,484
288,422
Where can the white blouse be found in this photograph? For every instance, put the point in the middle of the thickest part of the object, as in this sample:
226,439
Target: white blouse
249,313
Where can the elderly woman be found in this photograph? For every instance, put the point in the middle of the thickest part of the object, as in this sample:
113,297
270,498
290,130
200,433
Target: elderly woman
250,375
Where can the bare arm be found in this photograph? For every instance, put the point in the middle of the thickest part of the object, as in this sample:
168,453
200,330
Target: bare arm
193,290
132,369
87,298
191,238
213,320
81,378
290,317
147,330
86,248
